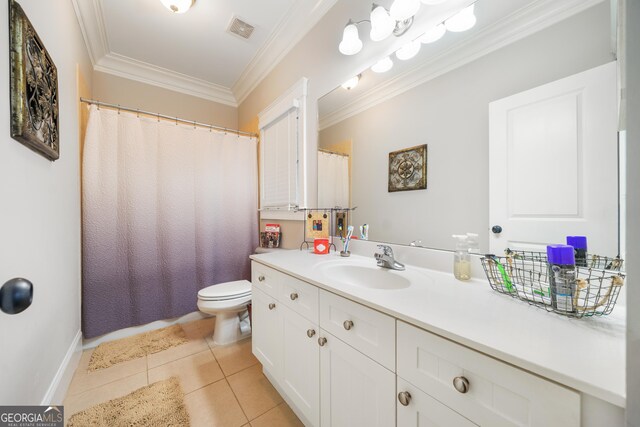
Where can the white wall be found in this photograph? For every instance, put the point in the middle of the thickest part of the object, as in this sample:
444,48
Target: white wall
40,218
633,211
450,114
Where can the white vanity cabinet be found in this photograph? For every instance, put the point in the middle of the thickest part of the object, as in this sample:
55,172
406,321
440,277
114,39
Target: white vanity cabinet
480,388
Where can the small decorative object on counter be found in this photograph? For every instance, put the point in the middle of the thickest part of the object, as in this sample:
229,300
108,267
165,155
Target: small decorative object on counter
544,280
321,246
579,244
562,276
270,238
461,258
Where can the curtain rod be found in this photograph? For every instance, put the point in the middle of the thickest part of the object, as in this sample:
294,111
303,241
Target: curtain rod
162,116
332,152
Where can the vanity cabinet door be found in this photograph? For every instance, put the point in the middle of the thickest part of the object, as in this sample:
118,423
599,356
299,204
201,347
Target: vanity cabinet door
355,391
301,364
267,328
418,409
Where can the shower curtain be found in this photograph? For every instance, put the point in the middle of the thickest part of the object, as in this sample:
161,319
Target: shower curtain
167,210
333,180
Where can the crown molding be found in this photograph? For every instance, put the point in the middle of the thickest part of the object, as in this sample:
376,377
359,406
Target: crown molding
300,18
520,24
91,19
132,69
298,21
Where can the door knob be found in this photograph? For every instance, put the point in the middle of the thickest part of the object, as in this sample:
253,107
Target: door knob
16,295
293,296
404,397
272,306
496,229
348,324
311,333
461,384
322,341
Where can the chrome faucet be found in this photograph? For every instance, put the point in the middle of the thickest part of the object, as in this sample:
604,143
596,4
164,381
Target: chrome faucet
386,259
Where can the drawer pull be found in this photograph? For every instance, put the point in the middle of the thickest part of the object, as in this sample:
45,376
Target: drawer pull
348,324
260,278
293,296
461,384
311,333
272,306
404,397
322,341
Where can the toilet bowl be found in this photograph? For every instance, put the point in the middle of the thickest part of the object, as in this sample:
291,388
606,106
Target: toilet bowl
228,302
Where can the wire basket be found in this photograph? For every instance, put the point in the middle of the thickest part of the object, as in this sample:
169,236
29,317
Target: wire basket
525,276
593,261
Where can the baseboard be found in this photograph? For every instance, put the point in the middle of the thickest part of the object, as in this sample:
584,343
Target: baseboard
58,388
134,330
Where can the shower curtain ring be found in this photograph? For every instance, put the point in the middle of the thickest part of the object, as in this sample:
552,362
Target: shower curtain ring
118,109
176,120
210,128
137,112
158,117
98,105
194,124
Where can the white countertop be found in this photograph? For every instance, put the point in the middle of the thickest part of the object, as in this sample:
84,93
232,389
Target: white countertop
585,354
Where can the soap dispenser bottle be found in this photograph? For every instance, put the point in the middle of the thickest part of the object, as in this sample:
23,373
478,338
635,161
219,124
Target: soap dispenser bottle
461,258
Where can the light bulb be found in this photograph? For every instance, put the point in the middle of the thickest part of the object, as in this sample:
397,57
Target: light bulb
383,65
461,21
381,23
432,2
178,6
351,83
404,9
433,34
351,43
409,50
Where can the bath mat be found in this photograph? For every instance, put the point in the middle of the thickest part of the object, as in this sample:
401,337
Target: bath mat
112,352
158,404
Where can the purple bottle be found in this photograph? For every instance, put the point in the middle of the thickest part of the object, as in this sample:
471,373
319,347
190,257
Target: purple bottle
562,276
579,244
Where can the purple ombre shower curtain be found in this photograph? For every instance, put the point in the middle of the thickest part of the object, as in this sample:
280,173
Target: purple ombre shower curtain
167,210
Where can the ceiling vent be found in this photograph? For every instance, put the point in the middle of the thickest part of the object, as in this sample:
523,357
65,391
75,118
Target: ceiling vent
240,28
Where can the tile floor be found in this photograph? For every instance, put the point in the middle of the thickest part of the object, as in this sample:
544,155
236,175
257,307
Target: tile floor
223,386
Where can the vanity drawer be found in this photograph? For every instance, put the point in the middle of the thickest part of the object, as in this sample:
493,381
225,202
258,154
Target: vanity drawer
367,330
490,392
266,279
299,296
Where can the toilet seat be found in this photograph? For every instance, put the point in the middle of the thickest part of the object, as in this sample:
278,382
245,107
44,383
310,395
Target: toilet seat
226,291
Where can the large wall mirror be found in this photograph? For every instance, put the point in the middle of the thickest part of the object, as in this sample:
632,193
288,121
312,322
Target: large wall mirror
551,185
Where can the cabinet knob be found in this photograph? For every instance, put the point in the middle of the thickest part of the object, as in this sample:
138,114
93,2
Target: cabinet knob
348,324
404,397
272,306
322,341
293,296
461,384
260,278
311,333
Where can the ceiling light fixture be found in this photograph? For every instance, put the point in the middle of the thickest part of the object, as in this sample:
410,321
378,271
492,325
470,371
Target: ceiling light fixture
461,21
178,6
383,65
433,2
351,43
352,82
382,25
404,9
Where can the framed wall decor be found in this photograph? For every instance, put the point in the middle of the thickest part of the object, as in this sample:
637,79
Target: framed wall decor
408,169
34,87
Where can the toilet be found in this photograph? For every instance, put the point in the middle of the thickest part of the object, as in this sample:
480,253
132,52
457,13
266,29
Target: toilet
228,302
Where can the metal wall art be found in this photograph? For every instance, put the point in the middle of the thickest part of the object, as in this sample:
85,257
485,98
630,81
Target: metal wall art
408,169
34,88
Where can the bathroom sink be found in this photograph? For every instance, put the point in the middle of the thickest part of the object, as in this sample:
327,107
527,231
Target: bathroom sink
367,276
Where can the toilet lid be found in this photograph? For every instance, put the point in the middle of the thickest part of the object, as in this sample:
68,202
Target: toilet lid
226,291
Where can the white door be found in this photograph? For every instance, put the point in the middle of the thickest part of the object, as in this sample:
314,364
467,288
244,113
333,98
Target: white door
266,324
553,164
418,409
301,364
355,391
